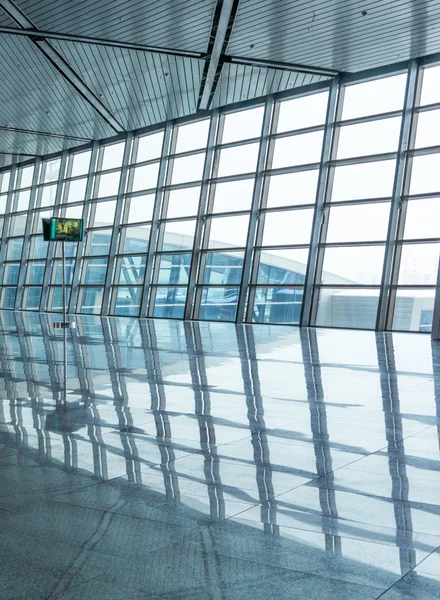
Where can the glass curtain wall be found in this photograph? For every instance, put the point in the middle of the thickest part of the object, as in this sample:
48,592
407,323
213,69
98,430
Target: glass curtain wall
197,217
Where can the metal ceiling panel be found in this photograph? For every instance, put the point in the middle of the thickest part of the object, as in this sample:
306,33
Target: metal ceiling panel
140,88
5,20
17,142
244,82
347,35
34,96
179,24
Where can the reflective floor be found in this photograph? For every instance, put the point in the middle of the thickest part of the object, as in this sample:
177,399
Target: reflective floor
187,461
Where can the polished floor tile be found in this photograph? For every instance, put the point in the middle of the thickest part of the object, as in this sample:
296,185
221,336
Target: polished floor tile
207,460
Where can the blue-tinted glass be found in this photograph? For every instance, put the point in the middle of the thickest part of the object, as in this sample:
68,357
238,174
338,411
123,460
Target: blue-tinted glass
35,272
96,271
70,265
170,303
57,299
39,247
91,301
127,301
174,269
219,304
135,240
100,242
14,249
8,299
132,270
277,305
223,268
11,274
33,298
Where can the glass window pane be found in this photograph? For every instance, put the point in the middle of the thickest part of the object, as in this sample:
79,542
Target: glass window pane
80,163
228,231
283,267
430,86
14,249
74,212
56,299
187,168
10,276
25,176
413,310
374,137
419,264
39,247
297,150
99,242
32,297
425,174
292,188
374,97
76,190
3,200
21,200
192,136
113,156
367,180
107,185
174,269
353,265
428,129
223,268
183,203
18,224
422,219
277,305
127,301
90,300
104,213
4,181
149,147
95,271
134,240
145,178
241,159
57,271
358,222
179,235
233,195
287,227
307,111
347,308
8,297
47,195
140,208
52,170
242,125
35,272
218,304
170,302
131,270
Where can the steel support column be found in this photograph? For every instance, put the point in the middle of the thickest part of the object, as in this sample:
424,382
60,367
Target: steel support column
156,216
7,219
398,190
204,191
116,224
255,206
27,234
324,170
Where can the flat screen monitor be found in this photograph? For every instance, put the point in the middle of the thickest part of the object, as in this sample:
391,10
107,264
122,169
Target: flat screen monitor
58,229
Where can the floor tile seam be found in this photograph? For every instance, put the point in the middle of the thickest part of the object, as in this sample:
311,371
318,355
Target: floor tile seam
84,581
408,573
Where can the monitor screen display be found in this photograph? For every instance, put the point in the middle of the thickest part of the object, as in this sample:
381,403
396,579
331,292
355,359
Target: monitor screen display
58,229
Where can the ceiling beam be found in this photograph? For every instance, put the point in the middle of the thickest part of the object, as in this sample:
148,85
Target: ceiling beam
272,64
68,37
220,32
61,65
43,133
